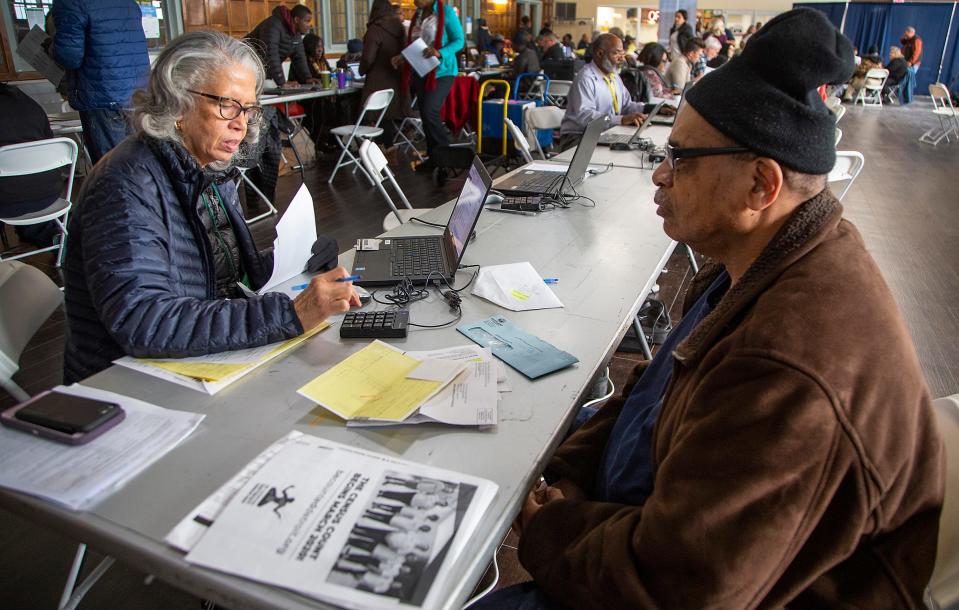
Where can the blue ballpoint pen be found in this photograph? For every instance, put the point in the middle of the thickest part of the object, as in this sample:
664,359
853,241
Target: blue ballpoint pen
299,287
349,278
551,280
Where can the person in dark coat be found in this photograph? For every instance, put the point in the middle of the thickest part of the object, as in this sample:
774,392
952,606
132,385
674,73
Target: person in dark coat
102,46
679,33
158,245
484,38
383,41
280,37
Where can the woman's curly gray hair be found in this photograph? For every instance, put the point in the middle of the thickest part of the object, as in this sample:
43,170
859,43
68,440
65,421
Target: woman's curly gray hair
189,62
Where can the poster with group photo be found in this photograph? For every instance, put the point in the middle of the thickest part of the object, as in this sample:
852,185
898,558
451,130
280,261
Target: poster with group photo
344,525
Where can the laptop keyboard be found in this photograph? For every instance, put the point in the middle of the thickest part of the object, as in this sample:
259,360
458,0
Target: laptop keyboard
620,138
542,179
417,257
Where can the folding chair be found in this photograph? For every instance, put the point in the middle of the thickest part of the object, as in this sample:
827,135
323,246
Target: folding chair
542,117
838,135
416,125
833,103
271,209
848,165
943,589
519,141
948,116
33,158
871,92
839,111
558,92
376,165
379,101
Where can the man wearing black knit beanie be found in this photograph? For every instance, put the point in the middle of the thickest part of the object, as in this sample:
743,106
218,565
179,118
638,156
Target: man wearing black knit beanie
780,450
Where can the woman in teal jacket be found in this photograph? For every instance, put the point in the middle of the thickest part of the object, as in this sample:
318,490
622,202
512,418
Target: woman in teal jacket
439,27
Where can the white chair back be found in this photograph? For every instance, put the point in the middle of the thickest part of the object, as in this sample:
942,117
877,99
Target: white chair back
941,100
542,117
39,156
839,112
832,102
944,586
558,92
376,165
848,165
27,298
947,114
876,78
838,135
519,141
378,100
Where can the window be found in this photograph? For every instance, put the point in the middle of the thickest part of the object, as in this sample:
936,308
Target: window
361,14
18,17
338,30
565,11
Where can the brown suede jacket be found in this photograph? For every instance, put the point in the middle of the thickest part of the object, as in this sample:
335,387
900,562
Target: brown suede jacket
797,460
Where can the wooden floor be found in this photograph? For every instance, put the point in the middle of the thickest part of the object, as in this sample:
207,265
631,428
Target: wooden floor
904,203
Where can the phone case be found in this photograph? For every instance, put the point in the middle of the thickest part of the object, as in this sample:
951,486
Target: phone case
80,438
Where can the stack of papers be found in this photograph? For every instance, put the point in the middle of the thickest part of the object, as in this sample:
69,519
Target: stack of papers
295,235
516,286
213,372
79,476
347,526
383,385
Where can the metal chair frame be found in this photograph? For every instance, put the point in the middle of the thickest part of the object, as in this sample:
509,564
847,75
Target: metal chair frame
379,101
948,116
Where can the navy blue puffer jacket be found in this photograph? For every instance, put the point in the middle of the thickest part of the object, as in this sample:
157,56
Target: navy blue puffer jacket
139,265
101,44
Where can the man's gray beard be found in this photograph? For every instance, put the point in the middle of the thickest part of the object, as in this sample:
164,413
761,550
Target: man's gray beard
608,66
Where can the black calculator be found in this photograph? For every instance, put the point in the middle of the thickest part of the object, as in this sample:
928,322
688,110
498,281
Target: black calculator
375,324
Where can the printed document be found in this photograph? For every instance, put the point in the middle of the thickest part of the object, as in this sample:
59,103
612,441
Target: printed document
213,372
346,526
414,56
515,286
79,476
379,382
295,235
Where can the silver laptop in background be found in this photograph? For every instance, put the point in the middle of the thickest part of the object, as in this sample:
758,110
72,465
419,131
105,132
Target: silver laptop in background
608,139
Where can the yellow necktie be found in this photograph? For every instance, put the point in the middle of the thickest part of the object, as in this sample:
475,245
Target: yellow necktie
612,91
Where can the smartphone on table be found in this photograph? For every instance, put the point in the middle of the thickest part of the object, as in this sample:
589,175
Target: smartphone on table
64,418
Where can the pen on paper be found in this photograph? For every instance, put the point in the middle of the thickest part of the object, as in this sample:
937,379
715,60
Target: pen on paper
551,280
299,287
349,278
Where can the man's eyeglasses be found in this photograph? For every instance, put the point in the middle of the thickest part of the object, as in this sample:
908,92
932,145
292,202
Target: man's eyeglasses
231,108
675,153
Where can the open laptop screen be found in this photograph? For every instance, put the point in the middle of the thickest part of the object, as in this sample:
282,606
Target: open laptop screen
468,207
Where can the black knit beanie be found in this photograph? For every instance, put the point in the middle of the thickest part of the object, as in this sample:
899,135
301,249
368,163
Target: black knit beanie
767,100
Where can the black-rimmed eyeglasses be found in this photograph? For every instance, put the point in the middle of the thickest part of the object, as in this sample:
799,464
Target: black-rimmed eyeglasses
231,108
675,153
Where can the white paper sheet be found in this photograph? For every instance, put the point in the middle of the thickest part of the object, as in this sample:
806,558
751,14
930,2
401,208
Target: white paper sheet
31,49
191,528
77,477
414,56
295,235
309,516
515,286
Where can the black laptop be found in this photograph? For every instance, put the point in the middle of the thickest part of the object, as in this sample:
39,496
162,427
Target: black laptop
429,257
608,139
669,120
533,182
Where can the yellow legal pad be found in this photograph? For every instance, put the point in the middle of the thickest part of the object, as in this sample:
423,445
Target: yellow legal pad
371,384
207,368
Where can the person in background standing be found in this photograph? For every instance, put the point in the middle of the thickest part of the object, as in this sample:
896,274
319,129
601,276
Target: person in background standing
438,25
525,27
102,46
383,41
679,33
280,37
912,51
484,38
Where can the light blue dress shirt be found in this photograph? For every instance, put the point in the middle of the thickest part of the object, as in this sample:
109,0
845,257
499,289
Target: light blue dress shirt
590,98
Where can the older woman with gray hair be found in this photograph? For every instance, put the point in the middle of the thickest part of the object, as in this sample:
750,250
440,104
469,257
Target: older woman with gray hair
158,246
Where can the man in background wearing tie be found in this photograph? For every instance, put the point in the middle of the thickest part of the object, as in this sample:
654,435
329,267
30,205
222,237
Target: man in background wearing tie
598,90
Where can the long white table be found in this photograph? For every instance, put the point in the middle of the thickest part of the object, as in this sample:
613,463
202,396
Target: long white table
606,258
298,96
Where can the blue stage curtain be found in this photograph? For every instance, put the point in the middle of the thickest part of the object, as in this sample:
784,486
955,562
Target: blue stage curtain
833,10
867,25
931,22
950,67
